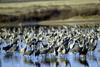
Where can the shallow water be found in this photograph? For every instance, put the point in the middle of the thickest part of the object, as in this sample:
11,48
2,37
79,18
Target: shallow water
67,60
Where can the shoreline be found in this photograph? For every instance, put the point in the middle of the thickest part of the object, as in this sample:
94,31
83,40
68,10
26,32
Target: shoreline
52,23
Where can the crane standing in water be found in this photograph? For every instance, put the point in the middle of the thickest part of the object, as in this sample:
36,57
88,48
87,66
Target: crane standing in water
39,40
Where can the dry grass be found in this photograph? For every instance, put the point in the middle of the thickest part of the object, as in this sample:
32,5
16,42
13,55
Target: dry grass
45,10
47,3
51,13
11,7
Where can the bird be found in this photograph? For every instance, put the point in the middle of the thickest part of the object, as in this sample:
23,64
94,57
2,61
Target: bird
17,48
92,46
37,52
63,50
28,51
8,47
71,43
83,50
66,41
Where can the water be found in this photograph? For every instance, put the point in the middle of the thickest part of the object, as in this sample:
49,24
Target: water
66,60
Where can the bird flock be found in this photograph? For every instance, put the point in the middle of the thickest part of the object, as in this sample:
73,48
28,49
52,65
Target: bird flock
56,40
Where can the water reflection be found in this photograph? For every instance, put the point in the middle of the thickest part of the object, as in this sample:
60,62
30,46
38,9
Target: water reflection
0,62
83,61
69,60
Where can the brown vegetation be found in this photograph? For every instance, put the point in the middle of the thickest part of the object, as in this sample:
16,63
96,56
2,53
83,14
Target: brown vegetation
52,13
